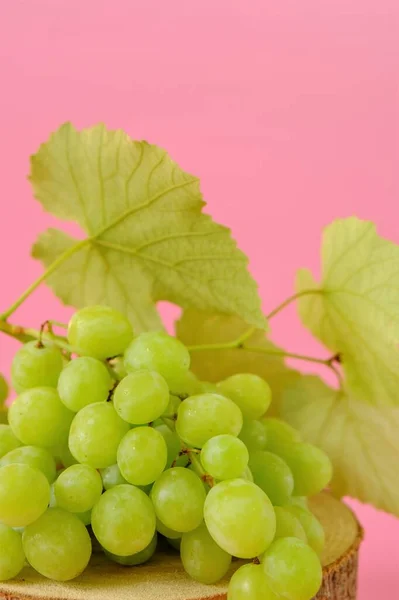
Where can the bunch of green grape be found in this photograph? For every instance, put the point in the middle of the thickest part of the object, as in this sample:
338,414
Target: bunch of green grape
125,445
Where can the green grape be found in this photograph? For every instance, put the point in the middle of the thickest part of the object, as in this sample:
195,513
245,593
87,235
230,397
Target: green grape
208,387
250,392
85,517
38,418
141,397
8,441
3,390
3,415
168,533
287,525
57,545
99,331
312,527
279,434
136,559
173,405
78,488
172,441
253,435
157,351
142,455
293,569
36,365
301,501
187,384
272,475
249,582
123,520
178,497
95,434
247,474
24,494
224,457
111,477
84,381
12,557
240,518
311,467
38,458
175,544
117,369
202,417
63,454
202,558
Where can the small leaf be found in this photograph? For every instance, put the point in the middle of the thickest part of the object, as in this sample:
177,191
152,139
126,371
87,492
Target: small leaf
147,239
198,328
361,440
355,309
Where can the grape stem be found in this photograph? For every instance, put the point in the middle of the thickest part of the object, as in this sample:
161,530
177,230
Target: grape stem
239,343
27,334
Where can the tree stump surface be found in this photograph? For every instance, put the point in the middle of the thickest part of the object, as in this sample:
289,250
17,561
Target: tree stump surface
163,578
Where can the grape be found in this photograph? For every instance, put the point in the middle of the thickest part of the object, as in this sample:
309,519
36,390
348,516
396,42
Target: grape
117,368
208,387
142,455
202,558
250,392
173,405
3,415
168,533
247,474
8,441
178,497
279,434
84,517
249,582
12,557
57,545
78,488
95,434
63,454
172,442
240,518
185,385
136,559
157,351
123,520
24,494
38,418
287,525
293,569
99,331
272,475
224,457
202,417
301,501
111,477
38,458
175,544
36,365
3,390
253,435
84,381
312,527
310,466
141,397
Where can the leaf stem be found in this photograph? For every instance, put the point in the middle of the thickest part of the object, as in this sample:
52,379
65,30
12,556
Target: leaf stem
291,299
54,265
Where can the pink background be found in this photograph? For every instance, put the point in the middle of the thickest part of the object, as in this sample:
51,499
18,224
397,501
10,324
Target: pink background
286,109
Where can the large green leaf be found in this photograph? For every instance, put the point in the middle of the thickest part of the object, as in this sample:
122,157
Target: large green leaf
147,239
355,308
361,440
198,328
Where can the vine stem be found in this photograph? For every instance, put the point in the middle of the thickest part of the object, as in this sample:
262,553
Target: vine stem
27,334
291,299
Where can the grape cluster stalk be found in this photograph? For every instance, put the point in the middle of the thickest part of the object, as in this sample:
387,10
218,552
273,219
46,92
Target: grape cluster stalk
113,440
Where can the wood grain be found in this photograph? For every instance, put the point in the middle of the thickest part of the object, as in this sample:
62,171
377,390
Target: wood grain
164,579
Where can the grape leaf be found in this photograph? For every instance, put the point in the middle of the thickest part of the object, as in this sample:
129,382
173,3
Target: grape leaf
199,328
362,440
147,239
355,309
